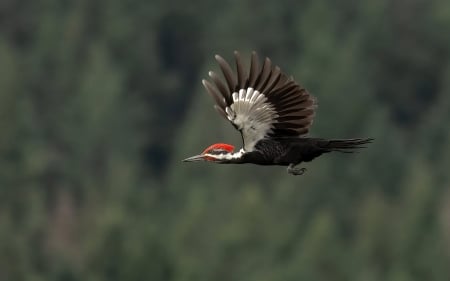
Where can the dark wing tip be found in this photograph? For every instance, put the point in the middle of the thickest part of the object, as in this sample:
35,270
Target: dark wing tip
219,99
227,73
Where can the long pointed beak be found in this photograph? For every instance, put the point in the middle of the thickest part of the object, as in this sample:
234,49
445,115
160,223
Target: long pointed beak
196,158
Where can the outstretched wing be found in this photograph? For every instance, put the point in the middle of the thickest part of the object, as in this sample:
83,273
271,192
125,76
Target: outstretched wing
264,103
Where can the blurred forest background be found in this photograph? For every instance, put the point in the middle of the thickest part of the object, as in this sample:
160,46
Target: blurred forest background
100,100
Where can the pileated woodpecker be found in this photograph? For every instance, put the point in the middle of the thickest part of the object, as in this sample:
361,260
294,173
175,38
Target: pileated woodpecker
272,112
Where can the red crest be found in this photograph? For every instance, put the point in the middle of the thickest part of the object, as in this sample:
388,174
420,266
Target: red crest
224,146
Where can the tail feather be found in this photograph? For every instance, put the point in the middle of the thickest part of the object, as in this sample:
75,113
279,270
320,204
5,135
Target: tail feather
347,145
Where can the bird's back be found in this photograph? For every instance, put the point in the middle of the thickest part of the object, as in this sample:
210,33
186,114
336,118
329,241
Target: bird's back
294,150
281,151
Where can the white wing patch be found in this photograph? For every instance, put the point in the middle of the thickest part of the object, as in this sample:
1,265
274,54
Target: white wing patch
252,115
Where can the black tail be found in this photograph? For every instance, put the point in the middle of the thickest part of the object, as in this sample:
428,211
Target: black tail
346,145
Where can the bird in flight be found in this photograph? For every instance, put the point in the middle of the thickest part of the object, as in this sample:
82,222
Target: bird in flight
272,112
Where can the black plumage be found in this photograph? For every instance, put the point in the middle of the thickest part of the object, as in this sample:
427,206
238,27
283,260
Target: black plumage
272,112
286,151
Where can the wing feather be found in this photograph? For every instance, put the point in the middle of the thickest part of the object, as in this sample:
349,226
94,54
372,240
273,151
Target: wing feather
261,81
241,76
219,99
275,77
254,70
221,112
220,86
264,103
227,73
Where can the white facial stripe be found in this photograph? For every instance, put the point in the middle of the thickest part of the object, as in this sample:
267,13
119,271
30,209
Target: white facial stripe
227,156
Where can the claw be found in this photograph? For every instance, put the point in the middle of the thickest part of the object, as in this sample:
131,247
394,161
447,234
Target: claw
295,171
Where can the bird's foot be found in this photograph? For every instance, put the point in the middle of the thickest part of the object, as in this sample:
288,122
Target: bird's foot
295,171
